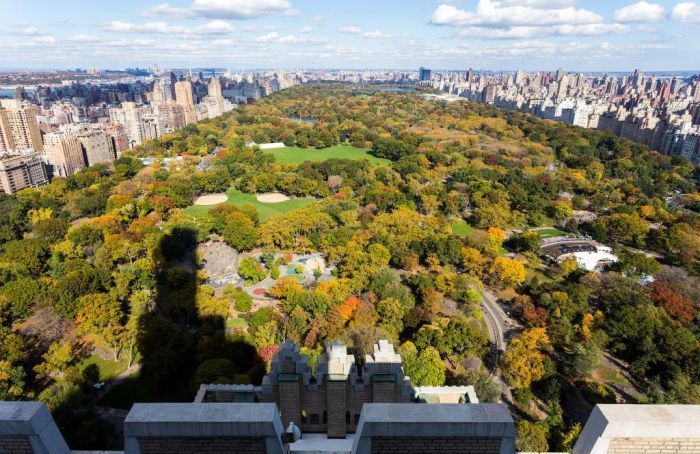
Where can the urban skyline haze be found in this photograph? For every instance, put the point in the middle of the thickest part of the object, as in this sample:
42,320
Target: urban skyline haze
588,35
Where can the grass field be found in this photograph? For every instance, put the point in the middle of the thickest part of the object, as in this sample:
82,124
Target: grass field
549,232
296,155
108,369
265,210
460,227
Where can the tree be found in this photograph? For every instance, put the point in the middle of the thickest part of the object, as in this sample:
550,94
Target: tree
251,270
100,317
484,386
430,368
56,361
508,272
285,287
29,254
242,300
461,338
531,436
21,296
424,368
214,371
523,361
675,303
391,314
348,307
627,228
239,231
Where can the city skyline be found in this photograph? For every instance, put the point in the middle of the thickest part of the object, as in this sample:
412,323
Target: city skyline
500,35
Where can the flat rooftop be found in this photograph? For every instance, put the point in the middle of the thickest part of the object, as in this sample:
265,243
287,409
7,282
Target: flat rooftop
320,443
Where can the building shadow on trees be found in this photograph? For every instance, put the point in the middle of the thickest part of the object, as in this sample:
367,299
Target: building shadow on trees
174,339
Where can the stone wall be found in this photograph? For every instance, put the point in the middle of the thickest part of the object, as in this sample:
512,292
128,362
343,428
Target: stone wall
195,445
654,446
420,445
15,444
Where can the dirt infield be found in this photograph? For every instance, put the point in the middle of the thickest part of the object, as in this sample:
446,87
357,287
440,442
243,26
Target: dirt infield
211,199
271,197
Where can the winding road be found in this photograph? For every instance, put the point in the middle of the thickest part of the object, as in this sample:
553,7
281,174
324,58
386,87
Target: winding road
496,320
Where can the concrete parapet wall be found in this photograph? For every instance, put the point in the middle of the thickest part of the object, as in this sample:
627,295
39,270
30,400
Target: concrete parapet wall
28,427
435,421
209,423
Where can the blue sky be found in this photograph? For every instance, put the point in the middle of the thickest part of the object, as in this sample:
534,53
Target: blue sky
593,35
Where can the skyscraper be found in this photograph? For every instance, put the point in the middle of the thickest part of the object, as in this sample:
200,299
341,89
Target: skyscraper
185,97
63,153
19,129
215,90
470,75
424,74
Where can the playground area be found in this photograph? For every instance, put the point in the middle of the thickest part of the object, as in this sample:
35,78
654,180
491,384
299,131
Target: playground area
307,268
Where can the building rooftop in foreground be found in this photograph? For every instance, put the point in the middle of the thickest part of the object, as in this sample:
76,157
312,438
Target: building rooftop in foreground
233,428
346,408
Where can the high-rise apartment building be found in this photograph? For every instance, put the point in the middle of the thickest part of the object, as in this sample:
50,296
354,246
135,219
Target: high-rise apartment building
130,116
19,129
117,135
184,96
215,90
63,153
20,171
171,116
96,146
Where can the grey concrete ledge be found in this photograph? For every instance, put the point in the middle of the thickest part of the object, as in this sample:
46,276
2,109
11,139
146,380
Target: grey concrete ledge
430,420
33,420
203,420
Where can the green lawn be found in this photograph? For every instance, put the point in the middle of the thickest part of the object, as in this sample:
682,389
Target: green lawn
297,155
549,232
265,210
108,369
460,227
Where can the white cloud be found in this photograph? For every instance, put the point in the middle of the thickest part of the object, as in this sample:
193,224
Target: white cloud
306,30
640,12
539,32
686,12
375,35
540,3
30,31
45,39
215,27
646,28
274,37
167,10
350,29
270,37
82,38
241,9
494,13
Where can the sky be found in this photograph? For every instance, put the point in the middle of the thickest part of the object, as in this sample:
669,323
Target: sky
578,35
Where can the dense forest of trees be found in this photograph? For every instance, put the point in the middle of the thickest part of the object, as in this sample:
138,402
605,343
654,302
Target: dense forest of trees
105,262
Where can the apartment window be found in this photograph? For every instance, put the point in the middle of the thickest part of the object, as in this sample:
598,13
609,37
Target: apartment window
347,417
325,417
303,416
357,419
